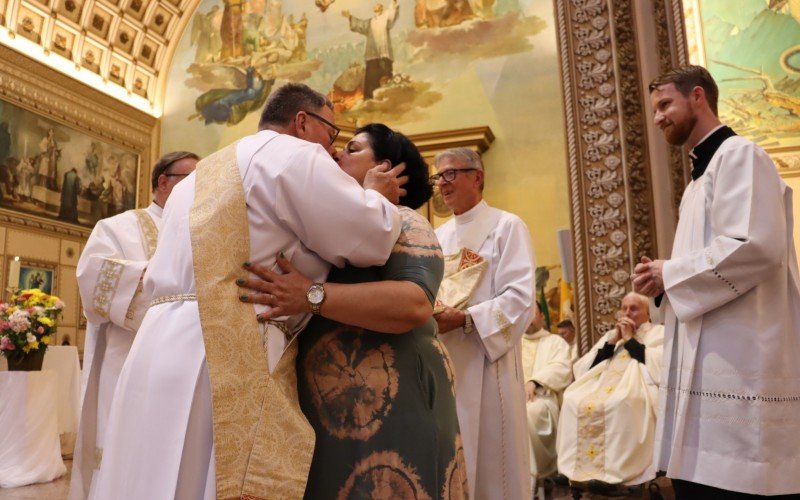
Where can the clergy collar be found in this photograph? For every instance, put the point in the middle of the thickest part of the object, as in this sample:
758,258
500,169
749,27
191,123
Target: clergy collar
154,209
471,214
702,153
535,335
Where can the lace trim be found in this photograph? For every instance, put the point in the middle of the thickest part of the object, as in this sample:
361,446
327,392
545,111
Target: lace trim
736,397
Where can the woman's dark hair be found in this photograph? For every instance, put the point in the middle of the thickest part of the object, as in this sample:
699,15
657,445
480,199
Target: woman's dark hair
397,148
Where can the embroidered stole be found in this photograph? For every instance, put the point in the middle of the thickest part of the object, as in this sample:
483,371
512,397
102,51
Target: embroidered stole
263,443
149,231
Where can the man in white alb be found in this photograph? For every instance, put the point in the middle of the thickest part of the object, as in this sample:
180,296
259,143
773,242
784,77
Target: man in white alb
206,405
482,332
547,367
729,406
109,278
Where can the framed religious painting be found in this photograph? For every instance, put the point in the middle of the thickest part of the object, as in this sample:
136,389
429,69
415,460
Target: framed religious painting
753,52
55,171
24,274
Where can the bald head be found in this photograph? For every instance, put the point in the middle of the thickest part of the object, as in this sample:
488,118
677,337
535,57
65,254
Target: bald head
636,307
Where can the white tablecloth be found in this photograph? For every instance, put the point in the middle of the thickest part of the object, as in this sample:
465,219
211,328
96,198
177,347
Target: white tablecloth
64,361
29,445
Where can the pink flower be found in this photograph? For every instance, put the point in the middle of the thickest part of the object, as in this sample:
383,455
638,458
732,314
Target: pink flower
40,329
19,321
6,344
4,325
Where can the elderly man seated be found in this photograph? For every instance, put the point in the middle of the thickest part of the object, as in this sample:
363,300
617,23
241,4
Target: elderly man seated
608,414
547,367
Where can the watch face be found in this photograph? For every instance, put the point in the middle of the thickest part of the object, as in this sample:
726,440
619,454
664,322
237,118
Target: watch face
316,294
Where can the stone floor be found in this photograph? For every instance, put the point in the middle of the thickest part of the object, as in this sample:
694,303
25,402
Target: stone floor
54,490
59,489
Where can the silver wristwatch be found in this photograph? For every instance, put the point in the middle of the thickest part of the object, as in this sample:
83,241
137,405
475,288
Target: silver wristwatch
469,326
315,297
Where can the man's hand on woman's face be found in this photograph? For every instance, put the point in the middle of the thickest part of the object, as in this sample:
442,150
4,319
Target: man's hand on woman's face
284,293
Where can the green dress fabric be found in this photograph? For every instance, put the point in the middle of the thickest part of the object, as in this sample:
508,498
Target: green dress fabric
383,406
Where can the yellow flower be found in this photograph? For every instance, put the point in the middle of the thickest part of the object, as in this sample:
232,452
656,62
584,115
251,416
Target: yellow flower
11,310
46,340
46,321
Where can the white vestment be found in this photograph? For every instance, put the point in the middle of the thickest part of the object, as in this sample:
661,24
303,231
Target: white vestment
490,397
608,415
109,274
376,29
729,407
160,440
545,361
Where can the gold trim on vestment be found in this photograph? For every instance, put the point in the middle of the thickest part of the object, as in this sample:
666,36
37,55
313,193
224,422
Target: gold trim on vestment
149,231
590,459
180,297
106,286
263,443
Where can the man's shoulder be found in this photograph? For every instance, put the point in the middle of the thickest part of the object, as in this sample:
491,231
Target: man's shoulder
446,228
114,221
556,340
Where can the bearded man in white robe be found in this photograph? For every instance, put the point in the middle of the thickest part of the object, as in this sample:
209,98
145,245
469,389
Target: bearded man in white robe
109,278
547,366
482,328
729,406
608,415
206,405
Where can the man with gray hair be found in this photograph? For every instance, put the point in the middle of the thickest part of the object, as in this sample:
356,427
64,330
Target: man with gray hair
207,404
483,308
608,415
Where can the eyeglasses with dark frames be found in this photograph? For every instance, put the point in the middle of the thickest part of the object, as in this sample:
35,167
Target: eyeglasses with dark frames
448,175
175,175
336,129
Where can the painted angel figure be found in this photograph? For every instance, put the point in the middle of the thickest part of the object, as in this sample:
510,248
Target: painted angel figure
231,105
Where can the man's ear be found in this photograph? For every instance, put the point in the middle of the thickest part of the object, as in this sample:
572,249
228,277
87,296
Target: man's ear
385,163
479,177
300,123
162,182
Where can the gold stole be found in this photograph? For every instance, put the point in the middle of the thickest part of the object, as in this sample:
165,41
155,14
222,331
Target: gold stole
591,459
263,443
462,273
149,231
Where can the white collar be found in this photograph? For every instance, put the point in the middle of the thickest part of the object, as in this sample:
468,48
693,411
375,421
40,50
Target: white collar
154,209
471,214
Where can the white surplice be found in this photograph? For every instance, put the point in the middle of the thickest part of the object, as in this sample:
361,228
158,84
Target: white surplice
490,397
160,442
545,361
608,415
109,273
729,408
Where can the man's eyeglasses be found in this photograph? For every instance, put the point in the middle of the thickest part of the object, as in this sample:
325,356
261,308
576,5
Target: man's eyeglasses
448,175
326,122
174,175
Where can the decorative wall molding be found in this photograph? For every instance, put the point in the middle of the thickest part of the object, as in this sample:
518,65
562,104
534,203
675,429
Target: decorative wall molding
610,190
673,51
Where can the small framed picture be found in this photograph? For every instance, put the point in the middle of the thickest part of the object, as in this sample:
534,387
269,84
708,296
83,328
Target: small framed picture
33,274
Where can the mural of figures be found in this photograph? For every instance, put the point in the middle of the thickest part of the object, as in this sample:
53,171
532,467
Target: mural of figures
753,51
419,65
51,170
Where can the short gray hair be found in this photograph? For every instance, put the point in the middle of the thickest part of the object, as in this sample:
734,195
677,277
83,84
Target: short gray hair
464,157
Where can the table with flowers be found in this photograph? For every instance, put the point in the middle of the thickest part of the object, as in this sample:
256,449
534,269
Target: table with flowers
33,400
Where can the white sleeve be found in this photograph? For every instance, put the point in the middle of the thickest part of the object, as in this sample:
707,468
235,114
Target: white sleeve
748,220
556,372
107,281
501,320
331,214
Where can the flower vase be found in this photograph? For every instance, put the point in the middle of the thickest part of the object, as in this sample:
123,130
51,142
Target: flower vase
30,362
